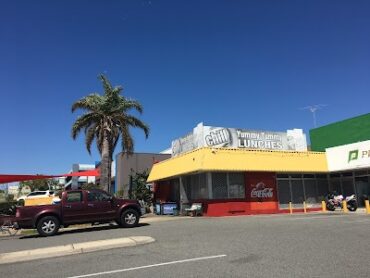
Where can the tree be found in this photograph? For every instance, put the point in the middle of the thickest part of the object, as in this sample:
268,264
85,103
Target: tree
105,119
140,191
90,186
42,184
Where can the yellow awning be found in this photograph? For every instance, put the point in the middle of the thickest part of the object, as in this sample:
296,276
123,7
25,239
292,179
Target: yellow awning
211,159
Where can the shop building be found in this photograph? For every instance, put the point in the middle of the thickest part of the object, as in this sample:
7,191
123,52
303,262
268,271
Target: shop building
349,167
347,147
238,172
236,182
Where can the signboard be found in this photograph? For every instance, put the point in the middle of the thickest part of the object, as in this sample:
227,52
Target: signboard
261,187
349,157
221,137
261,191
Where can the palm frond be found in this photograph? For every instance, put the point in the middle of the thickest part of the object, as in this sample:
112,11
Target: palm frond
127,104
106,84
90,102
83,121
127,142
135,122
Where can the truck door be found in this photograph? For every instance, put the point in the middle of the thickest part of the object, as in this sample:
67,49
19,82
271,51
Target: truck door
100,206
74,208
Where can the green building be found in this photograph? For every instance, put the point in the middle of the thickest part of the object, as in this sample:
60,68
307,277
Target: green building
348,131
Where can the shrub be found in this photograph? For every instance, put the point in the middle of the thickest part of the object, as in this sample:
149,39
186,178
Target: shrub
10,198
119,193
8,208
90,186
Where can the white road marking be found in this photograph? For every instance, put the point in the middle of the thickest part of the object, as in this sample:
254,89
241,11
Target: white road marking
148,266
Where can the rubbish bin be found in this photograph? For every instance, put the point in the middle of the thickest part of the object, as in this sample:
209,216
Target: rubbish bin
168,208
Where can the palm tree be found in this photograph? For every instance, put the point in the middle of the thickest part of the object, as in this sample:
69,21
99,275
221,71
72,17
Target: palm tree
105,119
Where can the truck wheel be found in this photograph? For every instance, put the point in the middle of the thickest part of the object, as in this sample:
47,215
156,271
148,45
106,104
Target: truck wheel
48,226
129,218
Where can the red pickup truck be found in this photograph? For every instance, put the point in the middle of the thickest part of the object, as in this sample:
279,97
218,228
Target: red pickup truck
77,207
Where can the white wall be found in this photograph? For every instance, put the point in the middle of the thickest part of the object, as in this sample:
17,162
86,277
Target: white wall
348,157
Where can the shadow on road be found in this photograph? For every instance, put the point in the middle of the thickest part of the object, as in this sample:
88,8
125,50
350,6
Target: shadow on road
85,230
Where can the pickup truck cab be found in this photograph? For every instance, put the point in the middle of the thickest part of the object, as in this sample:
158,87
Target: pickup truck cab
78,207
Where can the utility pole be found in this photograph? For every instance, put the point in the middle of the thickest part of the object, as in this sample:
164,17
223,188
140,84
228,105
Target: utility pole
313,109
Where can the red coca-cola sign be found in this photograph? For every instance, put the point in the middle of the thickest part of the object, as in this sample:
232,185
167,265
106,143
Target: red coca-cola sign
261,187
260,190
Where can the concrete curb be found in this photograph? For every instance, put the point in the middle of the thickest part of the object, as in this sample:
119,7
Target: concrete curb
74,248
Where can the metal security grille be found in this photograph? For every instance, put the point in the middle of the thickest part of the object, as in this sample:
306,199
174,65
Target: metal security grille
309,188
196,187
219,186
236,185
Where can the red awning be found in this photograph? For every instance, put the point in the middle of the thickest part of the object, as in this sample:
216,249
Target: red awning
15,178
88,173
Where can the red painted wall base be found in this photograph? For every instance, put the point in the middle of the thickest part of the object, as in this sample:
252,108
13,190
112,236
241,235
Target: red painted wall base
230,208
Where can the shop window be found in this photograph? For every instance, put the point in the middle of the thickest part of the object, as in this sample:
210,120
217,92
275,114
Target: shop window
175,189
335,186
284,193
360,173
348,186
297,192
196,186
228,185
203,187
322,189
194,183
362,189
219,186
310,191
236,185
187,186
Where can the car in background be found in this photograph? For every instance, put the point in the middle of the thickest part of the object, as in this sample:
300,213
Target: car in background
37,194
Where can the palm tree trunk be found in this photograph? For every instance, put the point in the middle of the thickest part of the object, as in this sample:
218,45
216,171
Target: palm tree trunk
106,164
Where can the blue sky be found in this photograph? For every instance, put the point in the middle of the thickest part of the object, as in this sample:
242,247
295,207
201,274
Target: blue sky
245,64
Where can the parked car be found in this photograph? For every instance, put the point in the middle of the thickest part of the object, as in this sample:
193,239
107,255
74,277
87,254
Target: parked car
36,194
78,207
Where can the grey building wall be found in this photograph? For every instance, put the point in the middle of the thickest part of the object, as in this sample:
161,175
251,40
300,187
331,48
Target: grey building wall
129,165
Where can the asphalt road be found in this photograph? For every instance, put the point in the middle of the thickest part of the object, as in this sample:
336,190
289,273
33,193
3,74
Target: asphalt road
314,245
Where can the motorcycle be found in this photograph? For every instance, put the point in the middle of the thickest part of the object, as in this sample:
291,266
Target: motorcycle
334,201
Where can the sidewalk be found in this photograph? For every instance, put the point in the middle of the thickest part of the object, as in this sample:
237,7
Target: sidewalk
74,248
